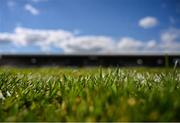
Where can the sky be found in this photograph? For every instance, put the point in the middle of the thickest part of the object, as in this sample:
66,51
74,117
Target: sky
89,26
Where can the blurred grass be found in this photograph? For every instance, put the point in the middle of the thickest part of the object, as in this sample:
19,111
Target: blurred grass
89,94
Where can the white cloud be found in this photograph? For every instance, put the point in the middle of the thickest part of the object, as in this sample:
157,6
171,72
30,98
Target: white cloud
127,43
70,42
170,39
88,44
170,47
131,45
66,40
148,22
170,35
152,44
31,9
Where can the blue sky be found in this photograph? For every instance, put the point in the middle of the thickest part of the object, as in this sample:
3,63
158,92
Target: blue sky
136,25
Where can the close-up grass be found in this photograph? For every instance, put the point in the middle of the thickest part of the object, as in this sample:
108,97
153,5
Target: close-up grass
89,94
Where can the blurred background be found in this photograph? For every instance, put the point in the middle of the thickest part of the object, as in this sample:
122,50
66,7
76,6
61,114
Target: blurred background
89,26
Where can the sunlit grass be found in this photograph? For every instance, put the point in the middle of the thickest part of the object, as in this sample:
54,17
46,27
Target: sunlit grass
89,94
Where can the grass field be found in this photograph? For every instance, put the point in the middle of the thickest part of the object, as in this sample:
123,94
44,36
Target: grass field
89,94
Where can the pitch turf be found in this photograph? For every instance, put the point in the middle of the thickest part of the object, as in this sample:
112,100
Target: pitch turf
89,94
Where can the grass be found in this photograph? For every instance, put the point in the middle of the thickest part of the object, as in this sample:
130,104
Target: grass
89,94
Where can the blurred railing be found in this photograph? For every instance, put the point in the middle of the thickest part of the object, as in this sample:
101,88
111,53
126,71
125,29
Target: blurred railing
90,60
